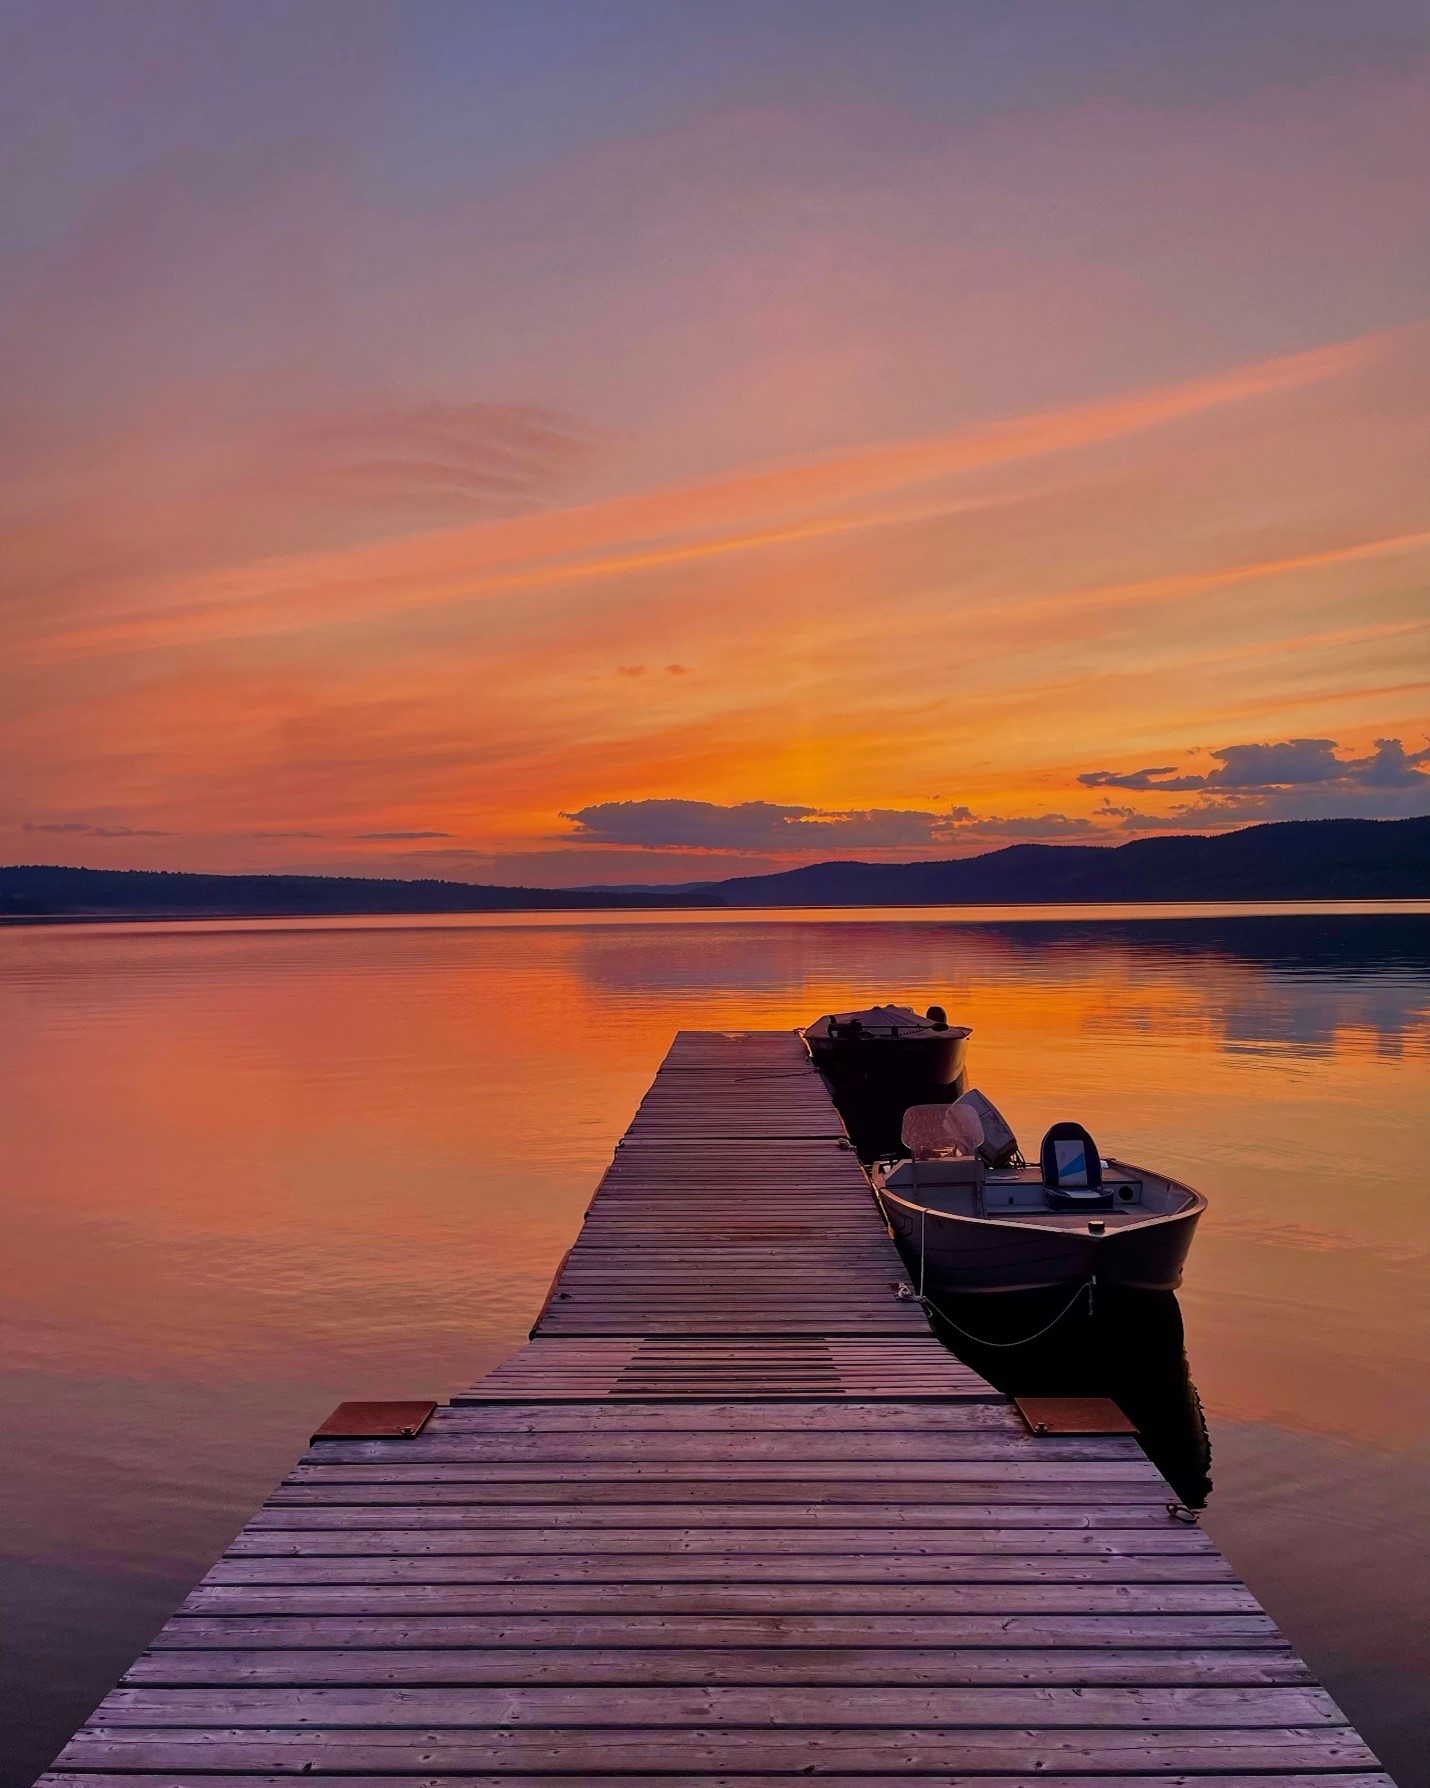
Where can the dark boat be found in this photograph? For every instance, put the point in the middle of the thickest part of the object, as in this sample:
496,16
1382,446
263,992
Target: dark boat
880,1061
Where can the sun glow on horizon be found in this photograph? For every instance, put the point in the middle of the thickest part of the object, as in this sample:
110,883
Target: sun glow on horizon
551,561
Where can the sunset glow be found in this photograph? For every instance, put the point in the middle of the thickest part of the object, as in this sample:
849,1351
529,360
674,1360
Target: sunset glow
583,455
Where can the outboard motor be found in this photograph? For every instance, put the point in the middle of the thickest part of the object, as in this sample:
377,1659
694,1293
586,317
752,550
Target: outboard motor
1072,1170
999,1147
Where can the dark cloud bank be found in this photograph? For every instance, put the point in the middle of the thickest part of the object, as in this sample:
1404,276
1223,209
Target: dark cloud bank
1295,779
1295,763
767,826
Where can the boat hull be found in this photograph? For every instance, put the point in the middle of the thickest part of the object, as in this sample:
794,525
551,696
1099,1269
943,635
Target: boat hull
978,1254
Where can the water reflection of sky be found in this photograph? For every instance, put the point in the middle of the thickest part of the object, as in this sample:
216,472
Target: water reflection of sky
251,1170
1272,983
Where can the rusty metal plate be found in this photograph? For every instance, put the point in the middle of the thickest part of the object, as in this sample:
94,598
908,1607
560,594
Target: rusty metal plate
375,1421
1073,1415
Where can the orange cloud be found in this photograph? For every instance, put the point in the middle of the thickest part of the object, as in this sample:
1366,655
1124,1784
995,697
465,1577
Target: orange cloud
966,620
662,531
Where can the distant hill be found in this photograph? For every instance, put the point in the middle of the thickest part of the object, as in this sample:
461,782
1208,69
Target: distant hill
39,891
1297,860
1339,859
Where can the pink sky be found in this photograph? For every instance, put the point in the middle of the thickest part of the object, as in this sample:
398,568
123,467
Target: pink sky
606,446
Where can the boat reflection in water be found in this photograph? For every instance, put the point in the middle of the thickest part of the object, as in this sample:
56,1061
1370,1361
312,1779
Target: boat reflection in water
1056,1278
1126,1345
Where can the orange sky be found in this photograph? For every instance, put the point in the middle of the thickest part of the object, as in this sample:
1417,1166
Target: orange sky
808,473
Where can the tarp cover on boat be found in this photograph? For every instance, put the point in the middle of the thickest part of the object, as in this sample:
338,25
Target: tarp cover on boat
884,1021
933,1130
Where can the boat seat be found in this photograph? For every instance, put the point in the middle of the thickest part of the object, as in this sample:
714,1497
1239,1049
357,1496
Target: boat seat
1072,1170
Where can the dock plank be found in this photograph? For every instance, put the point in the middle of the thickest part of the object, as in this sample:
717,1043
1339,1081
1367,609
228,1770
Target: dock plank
901,1705
222,1779
263,1539
811,1517
374,1566
594,1753
607,1635
764,1666
856,1599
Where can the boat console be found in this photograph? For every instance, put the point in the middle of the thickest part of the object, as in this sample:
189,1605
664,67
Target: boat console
1009,1189
1024,1189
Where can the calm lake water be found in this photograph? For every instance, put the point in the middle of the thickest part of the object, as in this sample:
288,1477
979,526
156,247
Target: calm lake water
249,1170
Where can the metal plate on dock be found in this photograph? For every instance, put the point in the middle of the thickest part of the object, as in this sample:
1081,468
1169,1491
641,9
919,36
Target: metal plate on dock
1073,1415
375,1421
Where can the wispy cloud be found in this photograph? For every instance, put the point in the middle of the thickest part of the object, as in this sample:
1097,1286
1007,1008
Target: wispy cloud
472,455
207,477
360,432
1144,594
663,531
858,638
86,829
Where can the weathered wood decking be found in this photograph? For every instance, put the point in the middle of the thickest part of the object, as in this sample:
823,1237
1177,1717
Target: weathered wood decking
731,1517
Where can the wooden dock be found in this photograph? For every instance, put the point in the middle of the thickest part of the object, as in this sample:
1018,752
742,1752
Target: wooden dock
732,1516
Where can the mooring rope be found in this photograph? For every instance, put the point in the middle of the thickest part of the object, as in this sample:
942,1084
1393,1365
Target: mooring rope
1025,1340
